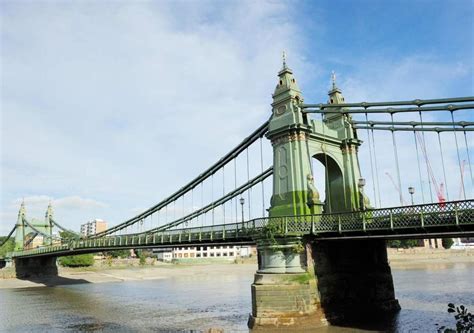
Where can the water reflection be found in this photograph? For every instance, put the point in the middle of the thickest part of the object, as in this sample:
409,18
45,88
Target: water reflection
200,303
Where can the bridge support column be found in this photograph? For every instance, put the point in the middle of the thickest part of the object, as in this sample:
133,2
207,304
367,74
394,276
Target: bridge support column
354,279
284,293
35,266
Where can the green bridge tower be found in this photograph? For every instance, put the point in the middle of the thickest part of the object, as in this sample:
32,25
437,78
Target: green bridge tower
300,280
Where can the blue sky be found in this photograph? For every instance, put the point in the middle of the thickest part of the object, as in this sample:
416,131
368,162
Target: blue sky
108,107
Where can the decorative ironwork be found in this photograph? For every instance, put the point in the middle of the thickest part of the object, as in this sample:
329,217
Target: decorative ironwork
387,221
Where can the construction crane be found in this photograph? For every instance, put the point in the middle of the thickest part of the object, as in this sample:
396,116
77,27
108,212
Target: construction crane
438,188
402,202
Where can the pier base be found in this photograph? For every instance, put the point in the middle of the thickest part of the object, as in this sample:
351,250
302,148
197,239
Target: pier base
306,284
354,279
35,267
284,293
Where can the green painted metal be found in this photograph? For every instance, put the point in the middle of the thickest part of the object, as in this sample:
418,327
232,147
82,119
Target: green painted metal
451,218
26,231
448,107
296,140
258,133
418,102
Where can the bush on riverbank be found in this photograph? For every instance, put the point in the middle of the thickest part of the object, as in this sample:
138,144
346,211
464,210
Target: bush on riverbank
7,247
402,243
447,242
80,260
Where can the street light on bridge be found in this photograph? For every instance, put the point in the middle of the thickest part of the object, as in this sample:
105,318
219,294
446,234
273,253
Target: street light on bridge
242,202
411,190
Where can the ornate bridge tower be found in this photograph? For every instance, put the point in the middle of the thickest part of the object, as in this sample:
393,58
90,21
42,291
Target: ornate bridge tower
25,235
301,281
297,140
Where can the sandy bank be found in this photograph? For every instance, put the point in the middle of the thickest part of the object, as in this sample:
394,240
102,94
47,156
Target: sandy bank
417,258
162,271
399,259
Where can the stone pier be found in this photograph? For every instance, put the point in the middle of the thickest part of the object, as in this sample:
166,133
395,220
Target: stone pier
354,279
284,293
308,283
35,267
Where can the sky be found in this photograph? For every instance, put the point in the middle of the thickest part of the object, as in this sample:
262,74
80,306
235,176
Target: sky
109,107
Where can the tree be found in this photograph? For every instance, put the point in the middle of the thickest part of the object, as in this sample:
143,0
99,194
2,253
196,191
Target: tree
142,257
9,246
118,253
447,242
80,260
464,320
403,243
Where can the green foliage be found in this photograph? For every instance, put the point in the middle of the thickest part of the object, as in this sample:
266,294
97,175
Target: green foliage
7,247
447,242
303,278
68,235
269,231
142,257
464,320
80,260
402,243
118,253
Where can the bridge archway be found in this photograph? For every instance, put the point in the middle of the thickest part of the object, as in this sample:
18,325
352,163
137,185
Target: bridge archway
331,182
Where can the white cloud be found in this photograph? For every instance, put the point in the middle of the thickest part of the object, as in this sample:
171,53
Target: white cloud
125,103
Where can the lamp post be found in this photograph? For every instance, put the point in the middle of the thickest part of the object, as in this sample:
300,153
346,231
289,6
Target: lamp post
411,190
361,184
242,202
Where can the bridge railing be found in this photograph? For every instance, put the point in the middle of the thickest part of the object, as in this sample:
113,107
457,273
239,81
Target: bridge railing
420,217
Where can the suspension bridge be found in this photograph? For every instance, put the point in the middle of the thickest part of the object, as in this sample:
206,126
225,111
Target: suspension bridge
320,218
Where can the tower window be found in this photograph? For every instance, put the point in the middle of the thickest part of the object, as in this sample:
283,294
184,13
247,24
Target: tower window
332,102
293,80
281,82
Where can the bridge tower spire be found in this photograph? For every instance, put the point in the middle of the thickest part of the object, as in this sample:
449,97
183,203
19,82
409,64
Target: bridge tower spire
20,228
48,224
289,132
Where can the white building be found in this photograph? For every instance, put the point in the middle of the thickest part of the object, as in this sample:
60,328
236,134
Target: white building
205,252
93,227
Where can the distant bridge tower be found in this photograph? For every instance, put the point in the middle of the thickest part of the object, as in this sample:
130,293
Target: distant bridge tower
20,228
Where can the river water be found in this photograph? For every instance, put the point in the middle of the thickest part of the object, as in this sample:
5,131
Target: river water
193,305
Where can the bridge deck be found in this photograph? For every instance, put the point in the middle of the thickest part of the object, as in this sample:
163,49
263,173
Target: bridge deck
450,219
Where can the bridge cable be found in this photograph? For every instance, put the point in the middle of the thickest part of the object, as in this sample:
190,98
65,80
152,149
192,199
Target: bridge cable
25,221
371,162
263,183
376,168
469,160
202,203
419,167
459,158
442,163
192,202
234,193
235,186
223,188
212,198
395,150
184,197
426,157
8,236
326,171
248,179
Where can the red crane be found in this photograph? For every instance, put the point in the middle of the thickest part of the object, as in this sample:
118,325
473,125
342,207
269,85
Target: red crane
438,188
402,202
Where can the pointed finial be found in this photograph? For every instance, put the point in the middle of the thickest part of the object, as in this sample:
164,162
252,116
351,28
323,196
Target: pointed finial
333,79
284,59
